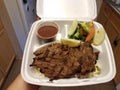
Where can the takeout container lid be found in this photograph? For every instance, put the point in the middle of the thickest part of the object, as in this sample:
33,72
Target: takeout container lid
84,10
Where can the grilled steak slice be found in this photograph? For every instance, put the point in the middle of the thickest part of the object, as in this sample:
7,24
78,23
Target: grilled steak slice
60,61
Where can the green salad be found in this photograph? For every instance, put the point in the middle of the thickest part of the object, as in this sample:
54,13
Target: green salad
86,32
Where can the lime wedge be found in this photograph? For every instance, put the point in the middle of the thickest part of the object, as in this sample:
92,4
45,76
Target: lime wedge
99,36
70,42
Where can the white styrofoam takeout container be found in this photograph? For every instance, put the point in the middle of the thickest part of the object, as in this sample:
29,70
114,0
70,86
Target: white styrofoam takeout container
63,12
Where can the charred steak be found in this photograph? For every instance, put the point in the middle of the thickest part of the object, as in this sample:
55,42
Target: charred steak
60,61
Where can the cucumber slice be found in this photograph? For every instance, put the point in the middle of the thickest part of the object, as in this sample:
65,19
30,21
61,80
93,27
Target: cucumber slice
86,26
76,35
99,36
72,28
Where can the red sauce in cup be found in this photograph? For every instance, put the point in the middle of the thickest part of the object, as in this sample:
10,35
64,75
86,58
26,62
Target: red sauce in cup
47,32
